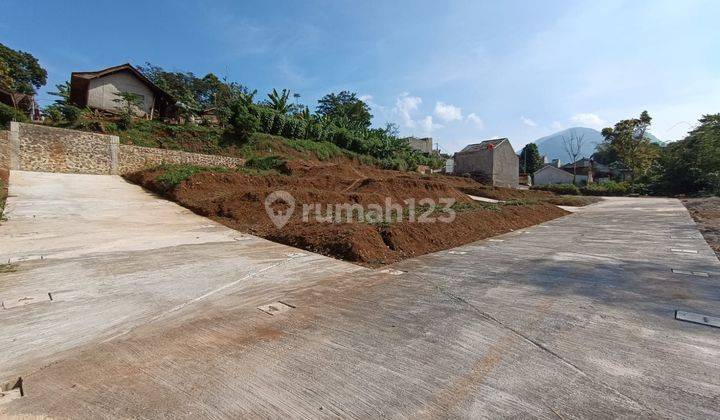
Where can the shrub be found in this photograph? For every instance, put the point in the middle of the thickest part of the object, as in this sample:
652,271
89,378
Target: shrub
607,188
321,149
243,120
173,174
8,114
264,163
565,189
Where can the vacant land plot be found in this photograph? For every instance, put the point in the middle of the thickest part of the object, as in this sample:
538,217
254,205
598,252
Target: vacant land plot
706,212
236,199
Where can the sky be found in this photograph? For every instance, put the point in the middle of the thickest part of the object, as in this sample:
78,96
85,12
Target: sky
457,71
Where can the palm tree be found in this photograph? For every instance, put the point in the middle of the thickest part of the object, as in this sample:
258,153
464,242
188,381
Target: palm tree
279,101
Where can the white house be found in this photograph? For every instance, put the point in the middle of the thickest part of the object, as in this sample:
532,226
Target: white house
99,90
549,174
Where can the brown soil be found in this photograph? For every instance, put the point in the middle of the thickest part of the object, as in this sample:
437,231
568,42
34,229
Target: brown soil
236,199
706,213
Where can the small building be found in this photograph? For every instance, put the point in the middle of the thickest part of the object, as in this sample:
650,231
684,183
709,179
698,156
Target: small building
550,174
582,169
492,161
424,145
99,90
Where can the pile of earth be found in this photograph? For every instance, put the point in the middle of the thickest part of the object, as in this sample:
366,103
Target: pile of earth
237,199
706,212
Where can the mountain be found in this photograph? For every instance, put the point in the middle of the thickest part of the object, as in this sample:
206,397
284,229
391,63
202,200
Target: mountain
553,148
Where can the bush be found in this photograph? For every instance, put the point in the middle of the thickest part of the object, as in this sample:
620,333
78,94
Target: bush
564,189
243,120
264,163
321,149
8,114
174,174
608,188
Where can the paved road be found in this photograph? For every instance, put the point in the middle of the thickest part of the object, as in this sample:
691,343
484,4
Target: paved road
572,318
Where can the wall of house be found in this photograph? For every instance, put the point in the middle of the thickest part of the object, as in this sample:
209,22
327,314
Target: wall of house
102,92
48,149
478,162
550,175
423,145
506,166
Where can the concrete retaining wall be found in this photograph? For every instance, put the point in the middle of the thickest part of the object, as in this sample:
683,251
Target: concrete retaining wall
49,149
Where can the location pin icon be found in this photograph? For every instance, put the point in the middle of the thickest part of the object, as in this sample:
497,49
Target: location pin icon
279,218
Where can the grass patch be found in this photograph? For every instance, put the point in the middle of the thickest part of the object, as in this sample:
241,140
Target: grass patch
321,149
174,174
266,163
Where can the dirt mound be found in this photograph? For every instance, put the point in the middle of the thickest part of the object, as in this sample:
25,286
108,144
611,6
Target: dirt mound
706,212
317,224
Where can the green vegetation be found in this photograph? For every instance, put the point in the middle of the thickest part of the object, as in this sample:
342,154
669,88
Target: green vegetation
8,114
530,159
563,189
266,163
691,165
687,166
20,72
607,189
174,174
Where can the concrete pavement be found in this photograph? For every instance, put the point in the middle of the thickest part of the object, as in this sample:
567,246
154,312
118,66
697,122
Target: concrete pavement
571,318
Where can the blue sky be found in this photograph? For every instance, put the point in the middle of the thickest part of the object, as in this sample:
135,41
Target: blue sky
459,71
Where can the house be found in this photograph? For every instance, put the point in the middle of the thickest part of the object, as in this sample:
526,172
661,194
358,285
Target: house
22,102
492,161
582,169
550,174
98,90
424,145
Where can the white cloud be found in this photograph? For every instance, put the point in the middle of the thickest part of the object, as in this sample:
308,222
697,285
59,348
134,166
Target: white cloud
447,112
427,125
366,98
557,125
588,120
528,122
473,118
405,105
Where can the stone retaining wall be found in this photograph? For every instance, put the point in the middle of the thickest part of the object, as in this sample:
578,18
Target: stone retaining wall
48,149
4,168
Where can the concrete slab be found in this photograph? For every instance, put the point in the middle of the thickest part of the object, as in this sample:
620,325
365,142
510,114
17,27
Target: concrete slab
541,324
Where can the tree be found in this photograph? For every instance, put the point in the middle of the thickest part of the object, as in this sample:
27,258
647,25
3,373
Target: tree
692,165
530,159
573,146
62,108
20,72
629,143
278,101
345,104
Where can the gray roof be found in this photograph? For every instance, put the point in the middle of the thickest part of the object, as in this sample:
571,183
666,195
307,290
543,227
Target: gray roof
483,145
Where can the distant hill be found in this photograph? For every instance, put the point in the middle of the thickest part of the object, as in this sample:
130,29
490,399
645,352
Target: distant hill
552,145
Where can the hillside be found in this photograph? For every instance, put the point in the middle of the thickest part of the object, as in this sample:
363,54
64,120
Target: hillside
552,145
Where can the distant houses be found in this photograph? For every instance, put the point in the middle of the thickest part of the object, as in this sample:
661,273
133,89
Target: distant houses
98,90
492,161
424,144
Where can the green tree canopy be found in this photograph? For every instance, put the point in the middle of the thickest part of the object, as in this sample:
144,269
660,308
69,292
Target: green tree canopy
692,165
20,72
345,105
629,143
530,159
